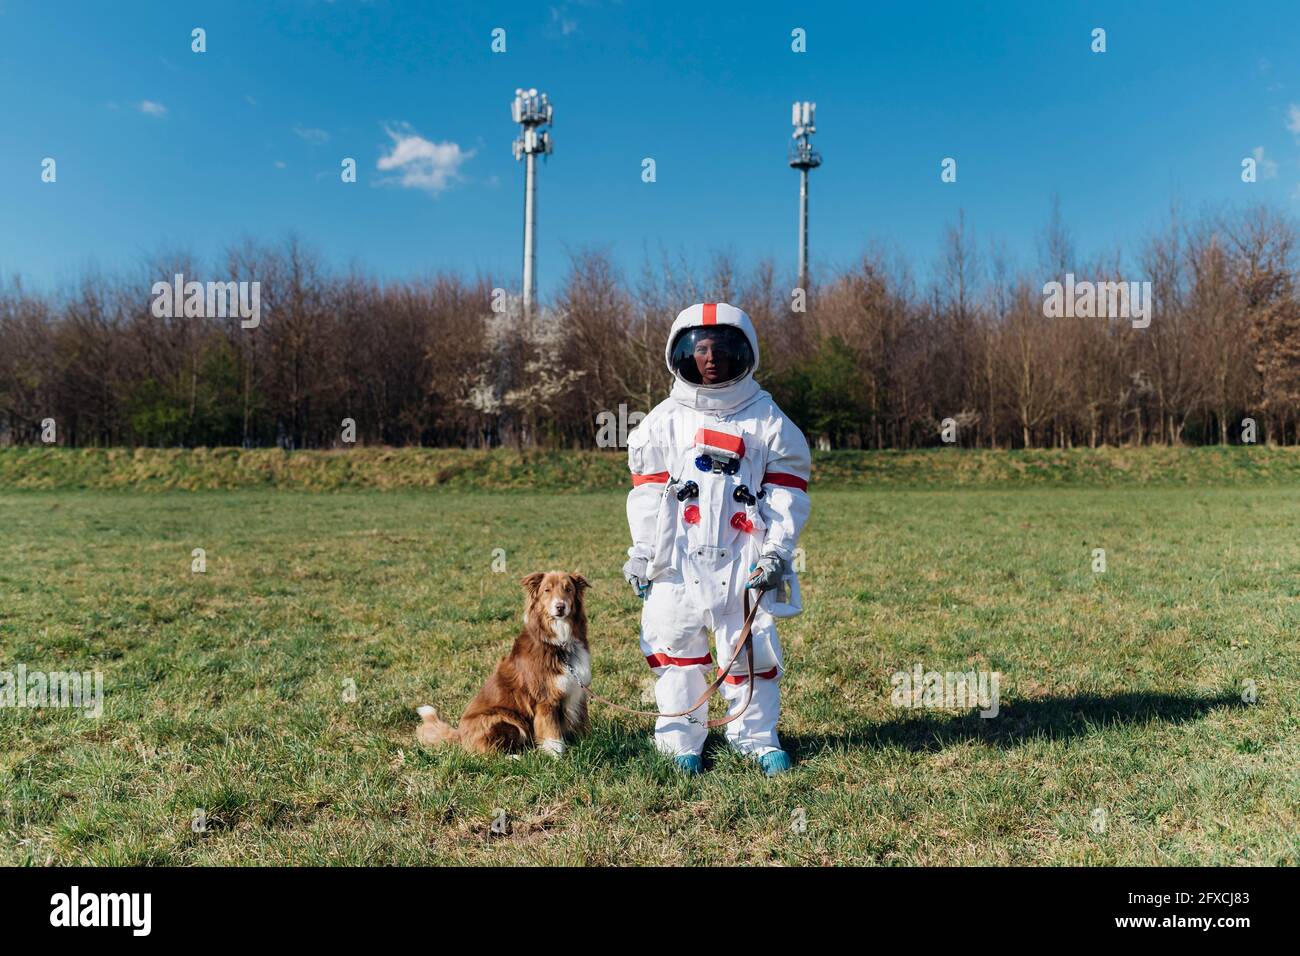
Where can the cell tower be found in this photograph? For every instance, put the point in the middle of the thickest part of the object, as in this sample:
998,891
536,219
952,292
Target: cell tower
532,111
803,158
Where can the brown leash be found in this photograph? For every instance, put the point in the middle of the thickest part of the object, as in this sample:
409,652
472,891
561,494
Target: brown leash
746,643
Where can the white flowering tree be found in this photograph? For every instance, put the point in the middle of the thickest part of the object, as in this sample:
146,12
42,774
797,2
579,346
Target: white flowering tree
522,373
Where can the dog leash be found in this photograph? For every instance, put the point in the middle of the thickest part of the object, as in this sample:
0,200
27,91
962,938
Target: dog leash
746,643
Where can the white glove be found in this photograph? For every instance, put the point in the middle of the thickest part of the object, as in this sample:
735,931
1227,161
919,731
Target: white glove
767,572
635,572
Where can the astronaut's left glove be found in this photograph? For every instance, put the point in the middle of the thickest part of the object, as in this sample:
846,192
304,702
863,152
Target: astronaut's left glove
767,572
637,575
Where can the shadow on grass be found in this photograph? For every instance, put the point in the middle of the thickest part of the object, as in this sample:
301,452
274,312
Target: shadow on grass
1051,718
619,743
616,742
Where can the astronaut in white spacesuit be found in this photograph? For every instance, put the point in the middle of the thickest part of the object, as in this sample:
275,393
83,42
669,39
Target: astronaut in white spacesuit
719,497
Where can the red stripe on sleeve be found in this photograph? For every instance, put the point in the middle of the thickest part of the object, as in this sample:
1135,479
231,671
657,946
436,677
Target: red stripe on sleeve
660,477
786,481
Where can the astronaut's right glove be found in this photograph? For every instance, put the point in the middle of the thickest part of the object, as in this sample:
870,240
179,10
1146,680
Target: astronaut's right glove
635,572
766,573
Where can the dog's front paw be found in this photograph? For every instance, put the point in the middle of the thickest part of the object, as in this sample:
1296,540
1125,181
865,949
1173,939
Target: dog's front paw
553,747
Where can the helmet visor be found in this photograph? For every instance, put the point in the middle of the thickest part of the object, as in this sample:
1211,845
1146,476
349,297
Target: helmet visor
712,355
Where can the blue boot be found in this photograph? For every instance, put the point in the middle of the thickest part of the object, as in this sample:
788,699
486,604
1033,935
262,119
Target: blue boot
774,762
689,764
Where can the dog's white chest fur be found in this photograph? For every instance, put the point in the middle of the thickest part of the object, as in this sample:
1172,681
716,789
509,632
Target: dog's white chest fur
571,684
561,630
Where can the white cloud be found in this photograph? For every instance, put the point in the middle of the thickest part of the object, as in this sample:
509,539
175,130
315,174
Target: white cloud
1267,167
419,163
150,108
314,136
1293,118
561,21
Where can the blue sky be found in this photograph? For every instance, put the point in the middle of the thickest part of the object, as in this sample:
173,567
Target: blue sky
159,148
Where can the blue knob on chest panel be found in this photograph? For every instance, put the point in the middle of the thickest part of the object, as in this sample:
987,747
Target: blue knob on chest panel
727,466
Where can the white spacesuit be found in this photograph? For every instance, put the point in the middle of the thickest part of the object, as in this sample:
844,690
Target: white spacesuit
719,497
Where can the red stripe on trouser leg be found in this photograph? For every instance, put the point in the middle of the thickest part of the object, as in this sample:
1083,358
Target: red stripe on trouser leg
660,477
765,675
710,313
663,660
786,481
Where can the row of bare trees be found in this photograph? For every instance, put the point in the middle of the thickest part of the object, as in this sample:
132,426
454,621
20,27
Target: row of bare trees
876,359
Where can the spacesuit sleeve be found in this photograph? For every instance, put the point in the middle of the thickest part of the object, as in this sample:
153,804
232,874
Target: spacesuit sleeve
648,463
785,504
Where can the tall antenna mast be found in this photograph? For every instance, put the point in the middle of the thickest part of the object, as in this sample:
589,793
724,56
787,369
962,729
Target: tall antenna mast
804,158
531,110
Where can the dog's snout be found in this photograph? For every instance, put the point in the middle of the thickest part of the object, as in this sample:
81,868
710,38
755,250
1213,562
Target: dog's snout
559,608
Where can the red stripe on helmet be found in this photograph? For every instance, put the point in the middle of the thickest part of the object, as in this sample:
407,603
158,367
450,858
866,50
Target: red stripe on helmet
710,313
660,477
786,481
663,660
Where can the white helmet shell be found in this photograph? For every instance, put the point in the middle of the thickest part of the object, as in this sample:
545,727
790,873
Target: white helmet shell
710,313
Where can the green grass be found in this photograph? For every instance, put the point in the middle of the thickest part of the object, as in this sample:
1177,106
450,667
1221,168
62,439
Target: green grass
225,690
575,472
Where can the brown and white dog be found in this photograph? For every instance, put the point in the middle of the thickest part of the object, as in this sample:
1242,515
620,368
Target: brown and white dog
533,698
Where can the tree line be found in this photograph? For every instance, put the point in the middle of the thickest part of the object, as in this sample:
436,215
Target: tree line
872,357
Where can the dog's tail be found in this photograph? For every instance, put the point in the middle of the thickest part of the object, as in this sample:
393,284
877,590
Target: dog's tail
433,729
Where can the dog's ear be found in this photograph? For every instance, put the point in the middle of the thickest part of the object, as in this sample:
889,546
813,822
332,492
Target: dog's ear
580,583
532,582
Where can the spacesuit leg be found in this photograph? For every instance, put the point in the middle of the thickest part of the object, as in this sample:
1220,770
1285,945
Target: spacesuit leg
676,647
754,733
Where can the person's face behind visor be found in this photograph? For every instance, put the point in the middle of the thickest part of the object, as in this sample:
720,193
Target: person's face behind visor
712,355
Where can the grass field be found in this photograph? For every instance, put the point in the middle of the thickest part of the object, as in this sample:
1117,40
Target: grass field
1122,736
